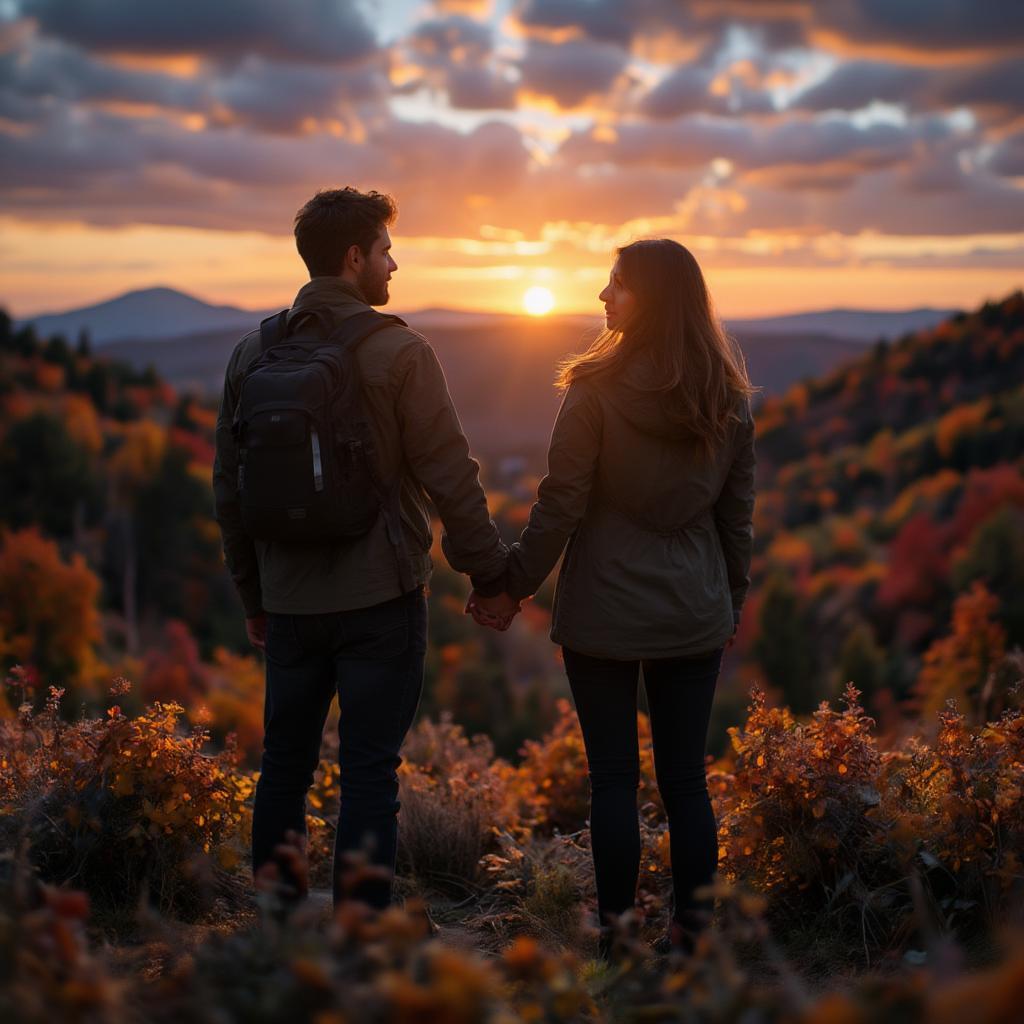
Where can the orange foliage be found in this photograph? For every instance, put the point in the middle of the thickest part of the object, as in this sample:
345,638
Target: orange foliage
235,699
82,423
48,615
49,376
963,419
958,665
135,789
138,457
794,810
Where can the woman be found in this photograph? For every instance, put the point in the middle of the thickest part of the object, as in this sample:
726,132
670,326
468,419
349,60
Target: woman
651,483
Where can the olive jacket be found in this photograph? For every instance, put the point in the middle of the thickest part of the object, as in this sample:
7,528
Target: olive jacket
420,448
659,541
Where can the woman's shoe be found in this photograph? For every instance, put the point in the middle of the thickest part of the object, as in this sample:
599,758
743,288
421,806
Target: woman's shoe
682,935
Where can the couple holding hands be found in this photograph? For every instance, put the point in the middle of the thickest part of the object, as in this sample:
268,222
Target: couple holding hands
648,500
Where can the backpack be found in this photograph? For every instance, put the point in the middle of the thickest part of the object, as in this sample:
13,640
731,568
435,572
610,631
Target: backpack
306,466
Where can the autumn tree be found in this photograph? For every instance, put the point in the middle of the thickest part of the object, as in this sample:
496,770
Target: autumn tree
48,615
961,664
995,556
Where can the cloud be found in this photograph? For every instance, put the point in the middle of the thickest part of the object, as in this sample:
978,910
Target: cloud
266,94
995,88
692,89
924,25
820,146
455,55
316,30
35,70
287,98
609,21
571,72
102,168
1007,159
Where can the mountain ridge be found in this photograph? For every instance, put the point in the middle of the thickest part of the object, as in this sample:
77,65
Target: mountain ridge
161,312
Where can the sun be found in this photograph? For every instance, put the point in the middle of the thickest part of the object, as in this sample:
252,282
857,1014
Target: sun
538,301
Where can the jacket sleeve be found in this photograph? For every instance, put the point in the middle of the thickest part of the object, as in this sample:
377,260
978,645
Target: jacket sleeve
563,493
437,453
239,550
734,515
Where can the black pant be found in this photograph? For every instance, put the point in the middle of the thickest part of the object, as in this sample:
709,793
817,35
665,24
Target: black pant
373,658
679,695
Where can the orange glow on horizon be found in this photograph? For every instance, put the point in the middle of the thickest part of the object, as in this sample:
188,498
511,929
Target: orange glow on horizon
51,267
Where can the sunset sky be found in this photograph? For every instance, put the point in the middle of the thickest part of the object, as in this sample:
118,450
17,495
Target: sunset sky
865,153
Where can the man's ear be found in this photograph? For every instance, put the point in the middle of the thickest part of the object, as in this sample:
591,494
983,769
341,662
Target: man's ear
353,259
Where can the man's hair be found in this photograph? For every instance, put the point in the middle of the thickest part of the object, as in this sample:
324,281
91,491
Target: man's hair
336,219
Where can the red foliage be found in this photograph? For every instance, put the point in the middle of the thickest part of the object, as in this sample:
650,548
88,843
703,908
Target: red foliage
918,564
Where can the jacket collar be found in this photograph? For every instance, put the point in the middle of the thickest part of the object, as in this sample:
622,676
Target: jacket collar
332,292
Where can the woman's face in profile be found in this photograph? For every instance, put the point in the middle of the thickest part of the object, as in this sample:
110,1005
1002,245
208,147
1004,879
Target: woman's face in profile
619,301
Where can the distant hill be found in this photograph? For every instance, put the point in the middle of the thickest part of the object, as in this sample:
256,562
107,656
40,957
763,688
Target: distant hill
867,325
161,313
150,314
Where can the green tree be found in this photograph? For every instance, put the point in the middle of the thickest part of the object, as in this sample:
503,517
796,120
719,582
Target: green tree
862,661
995,556
783,647
48,479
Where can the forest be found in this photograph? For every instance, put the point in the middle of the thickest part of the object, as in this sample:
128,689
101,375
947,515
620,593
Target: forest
865,761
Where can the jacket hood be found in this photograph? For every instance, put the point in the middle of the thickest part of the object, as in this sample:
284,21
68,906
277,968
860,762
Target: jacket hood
634,396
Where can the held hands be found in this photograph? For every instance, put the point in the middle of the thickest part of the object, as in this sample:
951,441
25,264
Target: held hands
496,612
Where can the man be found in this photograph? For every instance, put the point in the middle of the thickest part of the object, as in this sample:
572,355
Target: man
350,617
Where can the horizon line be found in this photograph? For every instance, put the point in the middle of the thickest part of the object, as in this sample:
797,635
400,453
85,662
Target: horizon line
466,310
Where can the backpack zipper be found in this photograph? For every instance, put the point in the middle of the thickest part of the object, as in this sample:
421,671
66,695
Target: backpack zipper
318,467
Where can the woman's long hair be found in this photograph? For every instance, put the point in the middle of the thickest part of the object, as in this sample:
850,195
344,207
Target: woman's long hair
700,372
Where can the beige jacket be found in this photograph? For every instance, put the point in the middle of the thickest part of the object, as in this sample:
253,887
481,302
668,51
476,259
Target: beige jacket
420,446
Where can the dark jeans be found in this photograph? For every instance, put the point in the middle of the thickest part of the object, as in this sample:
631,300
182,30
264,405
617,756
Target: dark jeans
373,658
679,695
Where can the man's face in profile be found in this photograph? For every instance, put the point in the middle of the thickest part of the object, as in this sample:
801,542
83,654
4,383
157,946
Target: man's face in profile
377,270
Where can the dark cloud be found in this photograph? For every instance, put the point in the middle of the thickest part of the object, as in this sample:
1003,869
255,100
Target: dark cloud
480,88
270,95
286,97
856,83
687,90
456,56
925,25
1007,159
992,87
698,139
610,21
444,40
571,72
316,30
43,69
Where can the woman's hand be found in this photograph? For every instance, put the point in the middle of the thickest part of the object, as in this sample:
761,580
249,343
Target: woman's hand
496,612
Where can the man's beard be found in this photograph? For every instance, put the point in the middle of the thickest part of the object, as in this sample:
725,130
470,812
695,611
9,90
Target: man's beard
374,287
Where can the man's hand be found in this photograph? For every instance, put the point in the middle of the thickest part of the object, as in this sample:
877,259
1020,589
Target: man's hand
496,612
256,631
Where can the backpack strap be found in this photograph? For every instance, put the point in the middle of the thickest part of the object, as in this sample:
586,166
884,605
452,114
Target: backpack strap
350,335
273,329
353,331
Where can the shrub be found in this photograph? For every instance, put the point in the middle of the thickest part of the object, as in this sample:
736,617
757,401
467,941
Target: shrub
121,805
795,816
